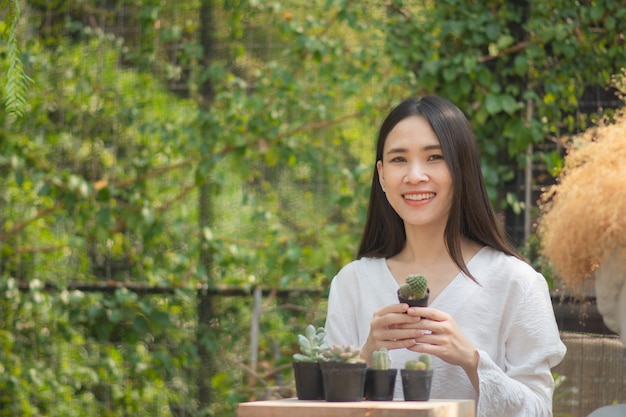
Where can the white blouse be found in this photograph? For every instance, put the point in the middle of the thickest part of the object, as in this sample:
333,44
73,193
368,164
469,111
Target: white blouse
508,316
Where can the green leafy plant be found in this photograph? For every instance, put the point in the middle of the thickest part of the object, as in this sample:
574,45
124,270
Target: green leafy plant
420,364
16,79
380,359
564,394
312,345
416,287
343,353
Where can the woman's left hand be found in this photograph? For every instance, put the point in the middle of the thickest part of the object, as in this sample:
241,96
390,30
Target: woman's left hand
444,339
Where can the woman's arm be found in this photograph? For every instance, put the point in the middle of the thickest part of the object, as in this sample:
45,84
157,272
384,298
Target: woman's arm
518,384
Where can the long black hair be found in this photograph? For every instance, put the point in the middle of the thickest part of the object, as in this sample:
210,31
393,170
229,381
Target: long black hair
471,214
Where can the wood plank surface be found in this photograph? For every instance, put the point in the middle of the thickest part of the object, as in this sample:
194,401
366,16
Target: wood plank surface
292,407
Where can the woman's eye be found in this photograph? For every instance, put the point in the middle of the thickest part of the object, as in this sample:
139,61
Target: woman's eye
398,159
435,157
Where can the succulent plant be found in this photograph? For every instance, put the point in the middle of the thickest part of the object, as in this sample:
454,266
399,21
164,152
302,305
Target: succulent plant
420,364
380,359
343,353
416,287
312,345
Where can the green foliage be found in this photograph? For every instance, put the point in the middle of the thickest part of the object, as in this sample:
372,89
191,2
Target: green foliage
74,354
518,70
17,80
564,392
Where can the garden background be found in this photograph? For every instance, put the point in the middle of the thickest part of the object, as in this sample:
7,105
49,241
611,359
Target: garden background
182,180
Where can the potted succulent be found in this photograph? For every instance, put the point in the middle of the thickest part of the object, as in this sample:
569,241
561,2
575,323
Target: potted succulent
417,378
343,372
306,364
380,379
415,291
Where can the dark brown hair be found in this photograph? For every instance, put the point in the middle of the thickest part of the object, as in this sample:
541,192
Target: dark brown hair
471,214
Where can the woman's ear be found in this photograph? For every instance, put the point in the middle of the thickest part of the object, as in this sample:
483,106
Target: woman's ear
381,179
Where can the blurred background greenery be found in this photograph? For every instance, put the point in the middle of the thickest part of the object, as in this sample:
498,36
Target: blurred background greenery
181,180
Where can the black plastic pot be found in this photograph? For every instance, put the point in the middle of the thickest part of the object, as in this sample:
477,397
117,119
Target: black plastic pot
416,384
422,302
309,382
343,381
380,384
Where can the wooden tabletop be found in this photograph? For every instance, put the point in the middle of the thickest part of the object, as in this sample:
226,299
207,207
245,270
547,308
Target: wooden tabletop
292,407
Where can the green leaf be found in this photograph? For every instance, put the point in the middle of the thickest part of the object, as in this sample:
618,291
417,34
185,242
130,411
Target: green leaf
492,104
505,41
509,104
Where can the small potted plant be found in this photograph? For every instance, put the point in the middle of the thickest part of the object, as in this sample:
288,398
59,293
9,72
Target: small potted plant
306,364
417,378
415,291
380,379
343,372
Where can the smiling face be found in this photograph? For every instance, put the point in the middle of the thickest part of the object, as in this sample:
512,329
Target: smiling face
414,175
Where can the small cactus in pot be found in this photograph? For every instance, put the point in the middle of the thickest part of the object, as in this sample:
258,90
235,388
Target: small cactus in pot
415,291
343,371
311,345
306,364
420,364
380,359
380,380
346,354
417,378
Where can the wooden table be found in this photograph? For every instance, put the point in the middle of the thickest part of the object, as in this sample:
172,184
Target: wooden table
292,407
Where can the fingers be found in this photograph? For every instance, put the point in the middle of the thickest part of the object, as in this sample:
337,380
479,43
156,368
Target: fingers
392,317
442,338
392,308
391,328
428,313
401,343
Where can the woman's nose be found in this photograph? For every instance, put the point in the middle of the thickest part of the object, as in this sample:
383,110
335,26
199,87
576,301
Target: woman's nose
416,173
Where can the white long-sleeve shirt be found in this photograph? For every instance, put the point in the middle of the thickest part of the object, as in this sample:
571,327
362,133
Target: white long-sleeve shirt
509,317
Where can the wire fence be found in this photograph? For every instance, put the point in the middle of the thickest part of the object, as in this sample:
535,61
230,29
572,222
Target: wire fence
593,373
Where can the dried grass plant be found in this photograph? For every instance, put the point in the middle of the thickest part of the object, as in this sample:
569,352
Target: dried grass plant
583,216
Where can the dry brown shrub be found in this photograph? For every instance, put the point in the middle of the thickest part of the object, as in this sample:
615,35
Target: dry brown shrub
584,215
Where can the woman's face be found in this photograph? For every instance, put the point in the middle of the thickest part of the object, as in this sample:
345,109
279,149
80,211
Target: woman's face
414,175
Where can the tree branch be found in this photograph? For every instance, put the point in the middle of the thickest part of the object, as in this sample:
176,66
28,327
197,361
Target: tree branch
20,226
507,51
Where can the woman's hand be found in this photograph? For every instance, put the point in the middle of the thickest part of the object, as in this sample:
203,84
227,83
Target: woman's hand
391,328
442,337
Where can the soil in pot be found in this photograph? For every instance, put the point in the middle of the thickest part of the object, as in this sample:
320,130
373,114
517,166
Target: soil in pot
343,381
309,382
380,384
422,302
416,384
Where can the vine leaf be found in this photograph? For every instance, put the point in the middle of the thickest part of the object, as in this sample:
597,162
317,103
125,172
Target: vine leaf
17,80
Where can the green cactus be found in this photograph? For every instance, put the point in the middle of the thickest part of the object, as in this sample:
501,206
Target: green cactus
420,364
312,345
415,288
343,353
380,359
425,359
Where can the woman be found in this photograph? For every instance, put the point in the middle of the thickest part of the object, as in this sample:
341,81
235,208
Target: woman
489,327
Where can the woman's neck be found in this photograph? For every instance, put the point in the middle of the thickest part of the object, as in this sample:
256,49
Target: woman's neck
425,253
424,243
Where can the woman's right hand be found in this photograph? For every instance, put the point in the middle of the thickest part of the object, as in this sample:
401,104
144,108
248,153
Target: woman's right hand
385,330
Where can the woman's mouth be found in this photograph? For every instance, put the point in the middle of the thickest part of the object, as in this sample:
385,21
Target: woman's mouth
419,197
